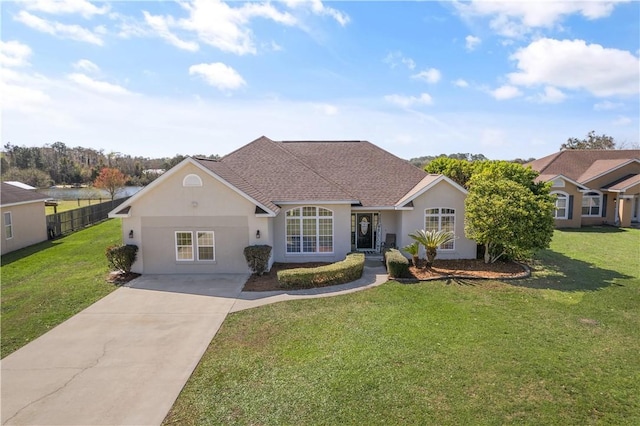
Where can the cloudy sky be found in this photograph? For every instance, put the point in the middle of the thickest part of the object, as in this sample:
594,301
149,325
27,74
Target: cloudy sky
505,79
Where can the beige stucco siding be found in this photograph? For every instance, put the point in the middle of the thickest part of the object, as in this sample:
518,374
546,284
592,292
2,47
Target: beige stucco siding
28,223
341,236
442,195
575,197
171,207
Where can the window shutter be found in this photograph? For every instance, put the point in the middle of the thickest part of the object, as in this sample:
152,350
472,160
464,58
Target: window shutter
604,205
570,214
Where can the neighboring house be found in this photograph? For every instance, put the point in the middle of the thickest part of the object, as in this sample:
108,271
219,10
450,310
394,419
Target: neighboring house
23,217
593,187
310,201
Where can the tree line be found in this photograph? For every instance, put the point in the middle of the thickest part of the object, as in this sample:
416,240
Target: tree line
58,164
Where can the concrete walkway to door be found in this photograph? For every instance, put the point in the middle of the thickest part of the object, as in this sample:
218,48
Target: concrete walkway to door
124,359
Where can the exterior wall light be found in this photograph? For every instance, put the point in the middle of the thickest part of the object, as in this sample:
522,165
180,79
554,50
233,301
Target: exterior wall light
131,233
258,234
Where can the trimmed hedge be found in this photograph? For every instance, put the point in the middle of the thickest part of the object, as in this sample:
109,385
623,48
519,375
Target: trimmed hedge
347,270
121,257
397,264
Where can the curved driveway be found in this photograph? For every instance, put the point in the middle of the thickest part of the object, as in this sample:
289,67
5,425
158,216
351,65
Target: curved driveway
125,359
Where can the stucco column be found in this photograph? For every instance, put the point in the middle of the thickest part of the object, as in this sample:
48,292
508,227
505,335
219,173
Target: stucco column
625,211
616,213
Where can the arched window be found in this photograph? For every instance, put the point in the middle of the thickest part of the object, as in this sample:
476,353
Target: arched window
562,205
591,203
309,230
192,180
441,219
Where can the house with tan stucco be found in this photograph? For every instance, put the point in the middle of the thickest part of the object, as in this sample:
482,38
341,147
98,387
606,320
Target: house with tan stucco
308,200
22,213
593,187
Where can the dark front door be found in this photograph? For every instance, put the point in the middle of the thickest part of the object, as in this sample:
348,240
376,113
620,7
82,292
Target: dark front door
364,231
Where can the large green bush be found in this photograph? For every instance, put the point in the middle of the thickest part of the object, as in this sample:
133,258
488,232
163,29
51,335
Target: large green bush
121,257
347,270
258,258
397,264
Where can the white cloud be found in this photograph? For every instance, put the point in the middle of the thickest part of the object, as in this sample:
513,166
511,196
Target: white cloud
506,92
574,64
432,75
58,7
318,8
96,85
471,42
73,32
607,106
516,18
160,26
493,138
218,75
393,59
409,101
227,28
327,109
14,54
622,121
86,66
551,95
461,83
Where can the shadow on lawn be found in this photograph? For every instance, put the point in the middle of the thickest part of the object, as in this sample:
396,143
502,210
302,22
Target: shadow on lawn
556,271
28,251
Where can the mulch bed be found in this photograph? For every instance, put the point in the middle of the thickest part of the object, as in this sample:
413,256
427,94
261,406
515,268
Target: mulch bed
120,278
469,268
442,268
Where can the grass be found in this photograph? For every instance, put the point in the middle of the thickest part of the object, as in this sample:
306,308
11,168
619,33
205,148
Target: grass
47,283
558,348
66,205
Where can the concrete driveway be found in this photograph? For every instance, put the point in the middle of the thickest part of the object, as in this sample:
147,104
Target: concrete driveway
122,360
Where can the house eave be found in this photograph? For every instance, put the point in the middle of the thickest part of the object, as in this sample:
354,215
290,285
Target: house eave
314,202
21,203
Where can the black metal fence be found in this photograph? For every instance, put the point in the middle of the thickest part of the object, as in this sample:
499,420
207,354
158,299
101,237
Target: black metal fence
73,220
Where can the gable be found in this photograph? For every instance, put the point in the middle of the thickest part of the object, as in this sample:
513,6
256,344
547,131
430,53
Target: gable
583,165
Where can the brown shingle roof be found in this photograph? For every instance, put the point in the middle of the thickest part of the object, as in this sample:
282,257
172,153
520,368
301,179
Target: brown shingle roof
11,195
343,171
583,165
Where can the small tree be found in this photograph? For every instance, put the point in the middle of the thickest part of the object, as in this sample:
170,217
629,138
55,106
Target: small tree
111,180
121,257
258,258
431,240
508,218
592,141
413,249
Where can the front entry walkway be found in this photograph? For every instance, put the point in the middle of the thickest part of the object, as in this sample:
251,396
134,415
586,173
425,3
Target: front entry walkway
123,360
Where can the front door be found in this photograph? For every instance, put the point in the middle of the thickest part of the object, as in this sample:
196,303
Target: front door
364,231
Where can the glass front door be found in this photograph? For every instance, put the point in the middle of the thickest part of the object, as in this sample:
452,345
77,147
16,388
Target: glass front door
364,231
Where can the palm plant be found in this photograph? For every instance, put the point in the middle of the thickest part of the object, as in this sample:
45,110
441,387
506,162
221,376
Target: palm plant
413,249
431,240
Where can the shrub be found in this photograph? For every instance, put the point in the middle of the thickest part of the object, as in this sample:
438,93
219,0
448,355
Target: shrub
397,264
345,271
121,257
258,258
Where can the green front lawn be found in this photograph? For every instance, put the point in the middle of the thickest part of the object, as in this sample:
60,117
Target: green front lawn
47,283
558,348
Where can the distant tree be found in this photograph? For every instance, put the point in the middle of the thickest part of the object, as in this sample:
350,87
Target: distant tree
508,218
111,180
592,141
33,177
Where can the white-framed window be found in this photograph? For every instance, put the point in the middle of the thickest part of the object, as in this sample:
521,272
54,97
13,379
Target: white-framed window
206,245
184,246
441,218
8,226
309,229
591,203
562,205
192,180
201,248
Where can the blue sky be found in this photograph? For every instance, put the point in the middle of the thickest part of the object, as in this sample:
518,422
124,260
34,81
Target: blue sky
505,79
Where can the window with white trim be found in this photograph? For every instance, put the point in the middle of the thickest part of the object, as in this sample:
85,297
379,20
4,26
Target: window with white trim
184,246
591,203
206,246
309,229
200,248
562,205
441,219
8,226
